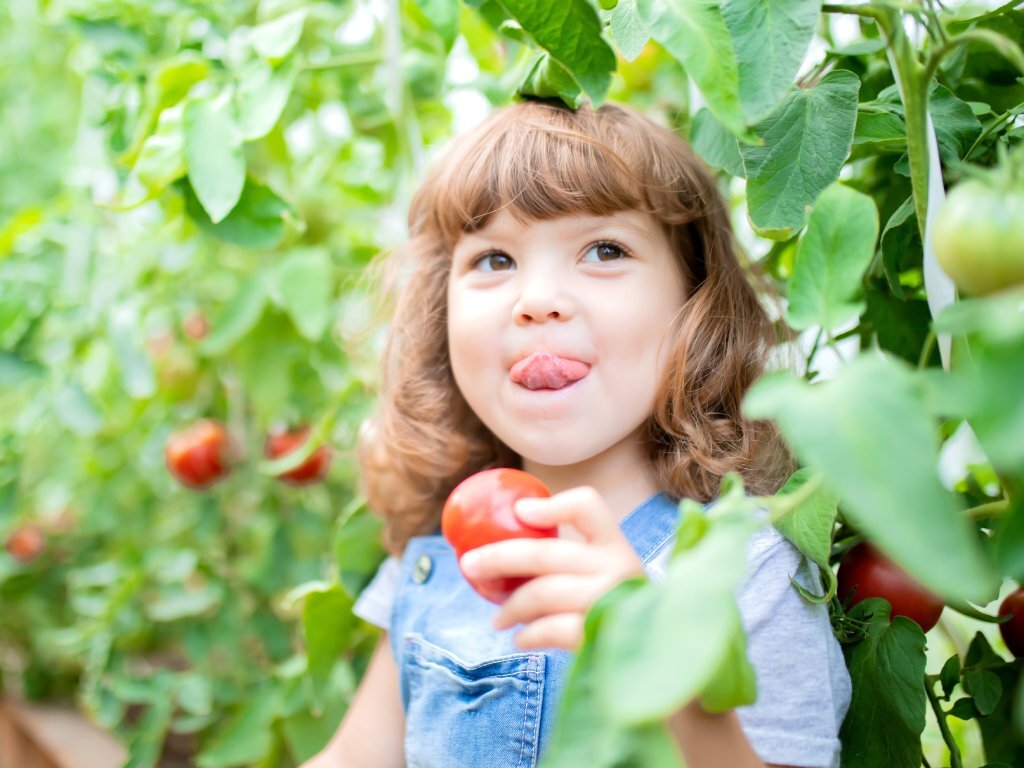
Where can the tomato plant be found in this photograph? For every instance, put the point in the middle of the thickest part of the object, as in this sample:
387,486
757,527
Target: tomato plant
199,455
479,511
1013,629
312,470
979,236
865,572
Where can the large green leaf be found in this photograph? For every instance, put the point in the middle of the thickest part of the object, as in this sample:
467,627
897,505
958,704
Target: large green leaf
304,287
257,221
571,32
870,422
276,38
809,526
213,150
694,32
831,258
804,144
547,79
886,717
771,38
713,142
628,29
328,622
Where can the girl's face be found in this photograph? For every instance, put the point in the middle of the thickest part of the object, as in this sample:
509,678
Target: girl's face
558,332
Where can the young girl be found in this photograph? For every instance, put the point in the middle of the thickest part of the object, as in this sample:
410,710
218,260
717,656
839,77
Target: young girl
572,306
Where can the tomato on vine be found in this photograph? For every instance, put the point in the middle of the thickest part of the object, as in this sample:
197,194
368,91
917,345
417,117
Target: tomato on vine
865,572
26,543
1013,629
979,230
312,470
479,511
199,456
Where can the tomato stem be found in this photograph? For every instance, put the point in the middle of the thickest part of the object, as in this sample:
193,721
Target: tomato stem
1001,44
955,760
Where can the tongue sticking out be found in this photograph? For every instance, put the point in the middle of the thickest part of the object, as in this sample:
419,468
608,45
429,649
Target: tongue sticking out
543,370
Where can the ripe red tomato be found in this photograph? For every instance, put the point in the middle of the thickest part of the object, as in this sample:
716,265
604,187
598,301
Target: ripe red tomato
479,511
868,573
26,543
1013,630
312,470
199,455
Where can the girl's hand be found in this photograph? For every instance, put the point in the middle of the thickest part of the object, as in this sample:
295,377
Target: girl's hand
568,575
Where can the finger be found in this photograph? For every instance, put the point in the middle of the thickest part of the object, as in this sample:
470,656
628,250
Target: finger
581,507
563,630
530,557
548,595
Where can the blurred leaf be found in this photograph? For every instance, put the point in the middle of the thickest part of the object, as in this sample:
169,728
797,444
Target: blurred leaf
305,286
810,525
76,411
358,550
162,158
176,602
275,39
870,421
247,736
327,621
148,740
262,95
257,221
444,16
805,142
771,38
694,32
831,258
887,711
213,150
14,370
238,317
137,373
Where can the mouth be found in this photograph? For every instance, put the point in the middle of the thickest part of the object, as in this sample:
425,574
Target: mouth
547,371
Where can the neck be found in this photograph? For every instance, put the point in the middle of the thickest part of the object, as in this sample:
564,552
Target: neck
623,476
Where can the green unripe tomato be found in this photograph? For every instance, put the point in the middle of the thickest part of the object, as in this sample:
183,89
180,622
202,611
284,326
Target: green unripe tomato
979,237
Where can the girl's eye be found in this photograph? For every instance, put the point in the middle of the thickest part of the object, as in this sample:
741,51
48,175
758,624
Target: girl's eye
496,261
605,252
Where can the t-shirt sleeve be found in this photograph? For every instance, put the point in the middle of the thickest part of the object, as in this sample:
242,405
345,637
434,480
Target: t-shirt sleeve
374,602
803,687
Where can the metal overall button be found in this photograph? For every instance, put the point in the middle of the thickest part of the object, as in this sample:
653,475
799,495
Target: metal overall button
421,571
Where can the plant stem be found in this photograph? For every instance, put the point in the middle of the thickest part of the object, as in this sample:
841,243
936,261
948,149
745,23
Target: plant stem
926,350
955,760
1003,45
989,510
348,60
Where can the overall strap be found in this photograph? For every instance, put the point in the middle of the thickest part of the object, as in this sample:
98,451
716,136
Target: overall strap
651,525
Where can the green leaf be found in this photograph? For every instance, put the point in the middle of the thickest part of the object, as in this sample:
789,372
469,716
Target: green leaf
162,157
691,615
887,710
809,526
985,687
176,602
247,736
771,38
880,128
628,29
734,684
275,39
262,95
871,421
14,370
901,326
213,150
328,622
357,549
76,411
571,32
257,221
238,318
694,32
304,286
831,259
137,375
547,79
147,742
713,142
444,16
950,675
901,245
804,144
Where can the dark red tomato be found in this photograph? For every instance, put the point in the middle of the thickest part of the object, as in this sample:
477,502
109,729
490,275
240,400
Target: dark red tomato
479,511
866,572
312,470
1013,630
26,543
199,455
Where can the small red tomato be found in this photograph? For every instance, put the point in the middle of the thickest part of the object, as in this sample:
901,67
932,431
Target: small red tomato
866,572
479,511
199,455
312,470
26,543
1013,630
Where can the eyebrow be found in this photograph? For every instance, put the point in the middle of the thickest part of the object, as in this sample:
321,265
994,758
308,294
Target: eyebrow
577,227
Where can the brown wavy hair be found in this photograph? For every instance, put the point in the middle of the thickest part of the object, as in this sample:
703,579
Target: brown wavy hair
542,160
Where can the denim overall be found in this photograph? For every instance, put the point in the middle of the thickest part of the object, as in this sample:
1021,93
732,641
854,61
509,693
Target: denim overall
471,697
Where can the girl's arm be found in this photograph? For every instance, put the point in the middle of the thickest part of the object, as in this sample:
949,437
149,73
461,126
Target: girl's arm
713,740
372,733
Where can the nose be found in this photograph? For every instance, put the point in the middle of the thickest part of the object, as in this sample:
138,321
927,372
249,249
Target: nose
542,297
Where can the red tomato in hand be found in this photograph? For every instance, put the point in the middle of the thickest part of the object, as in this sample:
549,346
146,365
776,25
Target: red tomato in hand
1013,630
868,573
25,544
312,470
199,455
479,511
